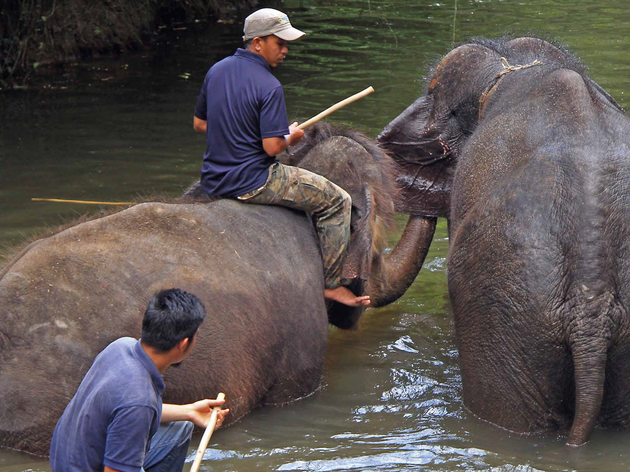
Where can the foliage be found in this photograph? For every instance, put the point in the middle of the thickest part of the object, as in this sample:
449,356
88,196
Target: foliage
36,32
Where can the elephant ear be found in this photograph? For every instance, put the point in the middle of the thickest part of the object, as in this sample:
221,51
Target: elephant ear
426,138
359,259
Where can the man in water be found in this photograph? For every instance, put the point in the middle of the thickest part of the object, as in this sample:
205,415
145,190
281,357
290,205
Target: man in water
241,110
116,420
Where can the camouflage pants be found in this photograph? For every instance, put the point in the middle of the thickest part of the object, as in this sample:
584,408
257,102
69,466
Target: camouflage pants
328,203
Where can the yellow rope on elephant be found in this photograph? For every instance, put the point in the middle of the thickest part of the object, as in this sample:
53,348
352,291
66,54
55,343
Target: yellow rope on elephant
507,68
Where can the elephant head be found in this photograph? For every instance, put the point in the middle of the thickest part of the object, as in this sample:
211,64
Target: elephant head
427,138
360,167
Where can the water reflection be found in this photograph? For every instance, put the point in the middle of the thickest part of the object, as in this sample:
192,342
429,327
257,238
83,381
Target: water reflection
387,461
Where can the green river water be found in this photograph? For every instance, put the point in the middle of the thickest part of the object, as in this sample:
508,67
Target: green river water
116,129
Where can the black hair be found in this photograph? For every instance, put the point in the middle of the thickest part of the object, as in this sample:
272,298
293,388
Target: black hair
248,42
171,316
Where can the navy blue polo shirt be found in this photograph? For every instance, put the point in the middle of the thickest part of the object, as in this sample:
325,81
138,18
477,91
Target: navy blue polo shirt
113,415
242,103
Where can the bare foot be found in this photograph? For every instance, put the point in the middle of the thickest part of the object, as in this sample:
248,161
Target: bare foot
343,295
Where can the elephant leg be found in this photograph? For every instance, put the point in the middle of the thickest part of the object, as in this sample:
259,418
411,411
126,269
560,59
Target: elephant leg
517,369
517,382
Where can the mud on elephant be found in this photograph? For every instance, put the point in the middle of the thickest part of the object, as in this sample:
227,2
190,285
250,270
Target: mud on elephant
530,160
257,269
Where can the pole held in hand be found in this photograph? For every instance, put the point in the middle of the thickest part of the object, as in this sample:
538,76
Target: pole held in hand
334,108
207,434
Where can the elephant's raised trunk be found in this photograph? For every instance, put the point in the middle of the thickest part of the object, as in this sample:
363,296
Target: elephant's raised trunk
392,276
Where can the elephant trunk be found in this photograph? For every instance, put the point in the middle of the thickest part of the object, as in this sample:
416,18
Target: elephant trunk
392,276
589,363
589,391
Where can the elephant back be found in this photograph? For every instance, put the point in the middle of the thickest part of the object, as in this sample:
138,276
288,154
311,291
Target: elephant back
258,272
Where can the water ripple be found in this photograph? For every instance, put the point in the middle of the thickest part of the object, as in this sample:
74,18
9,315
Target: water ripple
403,343
436,265
423,455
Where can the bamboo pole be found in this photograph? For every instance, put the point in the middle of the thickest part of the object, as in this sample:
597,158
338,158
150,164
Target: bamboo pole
334,108
207,434
59,200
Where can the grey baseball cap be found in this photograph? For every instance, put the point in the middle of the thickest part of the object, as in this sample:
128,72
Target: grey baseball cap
268,21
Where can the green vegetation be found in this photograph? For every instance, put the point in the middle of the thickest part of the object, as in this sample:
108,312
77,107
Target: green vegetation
37,32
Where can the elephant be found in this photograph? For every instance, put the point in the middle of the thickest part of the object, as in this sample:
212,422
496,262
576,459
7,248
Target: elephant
257,269
529,160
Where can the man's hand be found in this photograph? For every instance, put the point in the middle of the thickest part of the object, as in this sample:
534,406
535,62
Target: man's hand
202,410
199,412
274,146
295,134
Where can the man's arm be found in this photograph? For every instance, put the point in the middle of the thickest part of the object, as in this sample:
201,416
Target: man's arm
200,125
274,146
199,412
109,469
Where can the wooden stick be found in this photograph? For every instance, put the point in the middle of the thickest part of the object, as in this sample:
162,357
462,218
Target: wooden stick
207,434
59,200
336,107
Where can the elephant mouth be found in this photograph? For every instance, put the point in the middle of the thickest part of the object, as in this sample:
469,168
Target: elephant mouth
423,176
422,152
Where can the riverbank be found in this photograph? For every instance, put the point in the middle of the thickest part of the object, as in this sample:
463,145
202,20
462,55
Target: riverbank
34,33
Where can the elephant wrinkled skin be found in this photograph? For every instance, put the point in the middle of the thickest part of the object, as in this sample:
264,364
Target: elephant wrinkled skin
530,161
257,269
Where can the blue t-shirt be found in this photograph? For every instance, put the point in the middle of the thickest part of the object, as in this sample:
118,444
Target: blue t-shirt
242,103
113,415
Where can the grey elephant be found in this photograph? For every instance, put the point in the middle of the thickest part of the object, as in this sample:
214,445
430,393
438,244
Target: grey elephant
257,269
530,160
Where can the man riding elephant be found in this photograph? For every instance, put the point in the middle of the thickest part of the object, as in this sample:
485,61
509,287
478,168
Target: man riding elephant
257,269
241,110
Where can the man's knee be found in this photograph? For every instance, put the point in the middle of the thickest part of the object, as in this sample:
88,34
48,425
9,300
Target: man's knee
169,446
